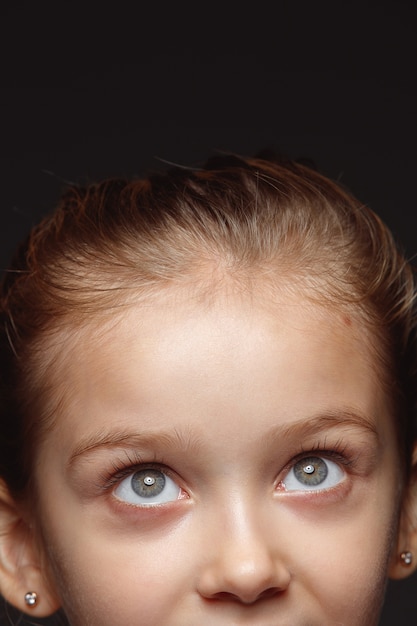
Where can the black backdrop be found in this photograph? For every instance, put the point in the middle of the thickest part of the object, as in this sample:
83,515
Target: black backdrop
88,91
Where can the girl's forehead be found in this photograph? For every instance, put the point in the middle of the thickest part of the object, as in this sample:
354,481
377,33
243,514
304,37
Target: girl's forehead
192,304
182,320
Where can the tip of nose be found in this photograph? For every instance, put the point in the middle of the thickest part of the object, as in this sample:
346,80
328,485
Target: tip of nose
244,580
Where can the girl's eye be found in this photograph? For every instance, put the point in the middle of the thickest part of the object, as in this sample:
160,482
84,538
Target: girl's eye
313,473
146,487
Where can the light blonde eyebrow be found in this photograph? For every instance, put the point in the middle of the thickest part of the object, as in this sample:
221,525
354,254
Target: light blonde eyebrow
134,441
338,418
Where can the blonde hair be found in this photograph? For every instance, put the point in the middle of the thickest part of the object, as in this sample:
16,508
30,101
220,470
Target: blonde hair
116,239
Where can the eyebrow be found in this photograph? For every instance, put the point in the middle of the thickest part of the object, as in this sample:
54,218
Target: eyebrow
192,444
127,439
346,418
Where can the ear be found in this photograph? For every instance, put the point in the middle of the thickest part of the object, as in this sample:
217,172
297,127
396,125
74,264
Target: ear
407,532
20,561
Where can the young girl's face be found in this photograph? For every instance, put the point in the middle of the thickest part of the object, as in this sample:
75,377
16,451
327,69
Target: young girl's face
223,463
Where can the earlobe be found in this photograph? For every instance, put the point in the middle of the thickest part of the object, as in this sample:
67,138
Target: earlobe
403,564
22,582
404,561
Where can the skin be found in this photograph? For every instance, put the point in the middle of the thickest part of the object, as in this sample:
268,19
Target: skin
226,398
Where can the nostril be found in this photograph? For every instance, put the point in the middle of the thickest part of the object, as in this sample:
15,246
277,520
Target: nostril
233,597
269,593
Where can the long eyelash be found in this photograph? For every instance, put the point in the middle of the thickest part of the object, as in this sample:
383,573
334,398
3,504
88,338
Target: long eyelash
123,467
339,451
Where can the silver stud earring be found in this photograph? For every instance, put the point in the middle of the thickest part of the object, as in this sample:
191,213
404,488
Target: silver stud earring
406,557
31,598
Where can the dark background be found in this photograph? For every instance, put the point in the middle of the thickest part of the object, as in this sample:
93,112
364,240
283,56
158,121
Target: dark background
88,92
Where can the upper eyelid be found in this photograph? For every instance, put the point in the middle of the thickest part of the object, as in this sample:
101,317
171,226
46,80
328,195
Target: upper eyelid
327,453
334,454
122,470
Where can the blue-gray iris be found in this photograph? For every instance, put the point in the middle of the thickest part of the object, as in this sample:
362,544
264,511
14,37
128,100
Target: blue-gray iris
148,483
311,471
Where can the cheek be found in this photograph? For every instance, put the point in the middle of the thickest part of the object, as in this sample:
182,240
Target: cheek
361,595
120,582
350,566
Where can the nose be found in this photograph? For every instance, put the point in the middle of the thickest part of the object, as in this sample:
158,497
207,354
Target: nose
243,564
